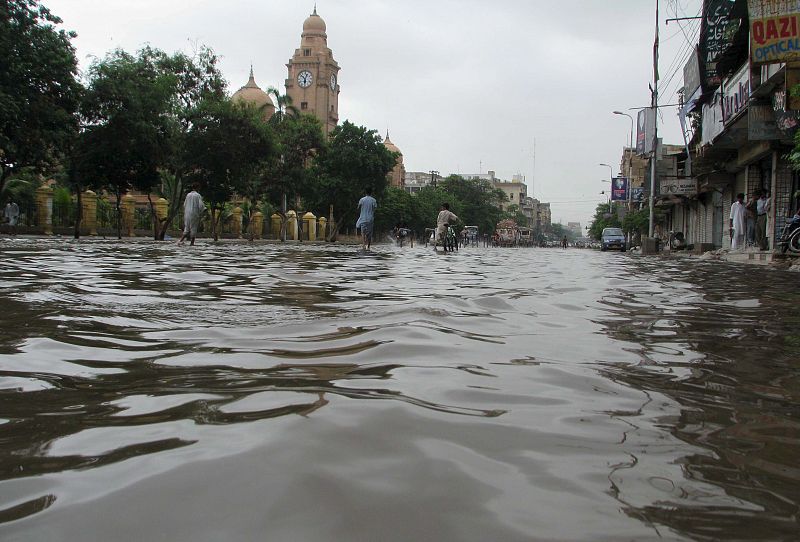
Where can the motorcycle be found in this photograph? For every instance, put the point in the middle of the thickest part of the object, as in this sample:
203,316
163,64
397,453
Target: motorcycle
790,236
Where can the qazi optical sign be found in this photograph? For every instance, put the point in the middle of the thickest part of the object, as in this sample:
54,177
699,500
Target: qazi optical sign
774,30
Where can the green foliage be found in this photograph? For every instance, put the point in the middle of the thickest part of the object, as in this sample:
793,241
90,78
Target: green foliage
559,231
39,92
354,159
300,138
226,147
604,217
478,201
128,121
636,222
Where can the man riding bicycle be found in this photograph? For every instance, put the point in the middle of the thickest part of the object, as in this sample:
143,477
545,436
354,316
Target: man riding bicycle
444,219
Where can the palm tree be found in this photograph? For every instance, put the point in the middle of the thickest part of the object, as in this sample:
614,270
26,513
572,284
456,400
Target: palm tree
283,105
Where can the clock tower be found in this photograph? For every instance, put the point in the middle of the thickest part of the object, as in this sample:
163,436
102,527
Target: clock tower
313,81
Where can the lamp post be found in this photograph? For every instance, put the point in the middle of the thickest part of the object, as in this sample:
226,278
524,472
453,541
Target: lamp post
630,157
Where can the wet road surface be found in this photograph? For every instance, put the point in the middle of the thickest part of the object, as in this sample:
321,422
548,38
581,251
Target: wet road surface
239,392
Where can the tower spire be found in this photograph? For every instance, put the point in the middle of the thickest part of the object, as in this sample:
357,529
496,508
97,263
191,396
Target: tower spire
251,71
315,8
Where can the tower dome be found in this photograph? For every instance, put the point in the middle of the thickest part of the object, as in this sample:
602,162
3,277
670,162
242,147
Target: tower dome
252,93
391,146
314,24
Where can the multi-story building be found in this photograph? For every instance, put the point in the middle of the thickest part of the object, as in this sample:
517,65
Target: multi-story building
417,180
515,192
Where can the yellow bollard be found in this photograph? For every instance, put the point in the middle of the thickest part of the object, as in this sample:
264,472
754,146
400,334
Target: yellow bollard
275,220
236,222
291,225
128,209
257,224
44,208
310,223
323,233
89,212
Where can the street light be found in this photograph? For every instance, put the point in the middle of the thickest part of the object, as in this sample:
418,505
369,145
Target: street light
630,157
610,170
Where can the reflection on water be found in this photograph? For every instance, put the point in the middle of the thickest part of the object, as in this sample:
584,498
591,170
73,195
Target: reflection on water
251,392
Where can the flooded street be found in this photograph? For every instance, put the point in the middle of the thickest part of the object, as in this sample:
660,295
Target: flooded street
312,393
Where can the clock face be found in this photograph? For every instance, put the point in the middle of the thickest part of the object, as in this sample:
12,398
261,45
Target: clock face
304,78
333,82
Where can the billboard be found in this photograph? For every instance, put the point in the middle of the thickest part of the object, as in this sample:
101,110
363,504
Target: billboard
774,30
619,189
637,193
735,93
716,33
645,130
691,75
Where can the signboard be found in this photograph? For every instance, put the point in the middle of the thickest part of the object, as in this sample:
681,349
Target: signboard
761,123
787,120
691,75
637,193
735,93
678,187
645,130
712,119
774,30
619,189
716,33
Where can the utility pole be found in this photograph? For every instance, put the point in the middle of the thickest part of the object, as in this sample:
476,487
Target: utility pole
654,158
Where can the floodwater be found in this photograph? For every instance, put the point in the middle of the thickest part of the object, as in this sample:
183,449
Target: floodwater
312,393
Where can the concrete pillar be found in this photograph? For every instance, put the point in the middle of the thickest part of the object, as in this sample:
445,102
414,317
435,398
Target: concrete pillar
236,222
257,224
323,223
89,212
275,223
128,209
291,225
44,208
162,206
310,224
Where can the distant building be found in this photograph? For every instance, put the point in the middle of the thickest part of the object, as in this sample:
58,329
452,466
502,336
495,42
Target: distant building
488,176
397,177
575,227
417,180
516,192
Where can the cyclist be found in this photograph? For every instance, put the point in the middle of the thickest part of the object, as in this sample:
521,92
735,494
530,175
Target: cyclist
444,219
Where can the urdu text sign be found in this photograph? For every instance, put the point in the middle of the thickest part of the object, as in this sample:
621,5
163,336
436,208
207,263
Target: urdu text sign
774,30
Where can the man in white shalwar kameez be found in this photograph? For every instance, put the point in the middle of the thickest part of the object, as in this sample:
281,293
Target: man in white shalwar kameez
738,220
193,208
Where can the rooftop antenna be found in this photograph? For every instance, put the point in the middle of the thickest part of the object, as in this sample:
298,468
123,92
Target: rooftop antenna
533,177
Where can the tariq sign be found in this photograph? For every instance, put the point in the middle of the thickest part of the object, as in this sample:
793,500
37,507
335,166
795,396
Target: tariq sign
678,187
774,30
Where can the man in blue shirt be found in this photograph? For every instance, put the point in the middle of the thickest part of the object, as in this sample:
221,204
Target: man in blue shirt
366,220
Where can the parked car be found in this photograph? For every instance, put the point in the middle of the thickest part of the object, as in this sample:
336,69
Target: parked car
612,238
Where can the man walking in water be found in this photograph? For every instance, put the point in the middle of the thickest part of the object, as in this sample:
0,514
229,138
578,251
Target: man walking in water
366,219
193,208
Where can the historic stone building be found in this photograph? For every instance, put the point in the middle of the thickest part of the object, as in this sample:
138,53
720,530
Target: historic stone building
253,94
313,78
397,177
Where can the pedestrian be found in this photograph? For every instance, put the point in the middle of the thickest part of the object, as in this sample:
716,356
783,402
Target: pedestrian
366,218
564,242
193,209
762,208
737,223
12,215
751,218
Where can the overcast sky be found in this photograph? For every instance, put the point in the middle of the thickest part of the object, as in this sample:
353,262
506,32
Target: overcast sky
462,85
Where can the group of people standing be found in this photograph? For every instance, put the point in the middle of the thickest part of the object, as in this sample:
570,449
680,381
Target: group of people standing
748,221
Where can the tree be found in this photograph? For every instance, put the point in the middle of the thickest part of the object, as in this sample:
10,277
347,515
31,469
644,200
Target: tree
604,217
127,124
283,106
300,138
480,201
39,93
227,145
355,158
